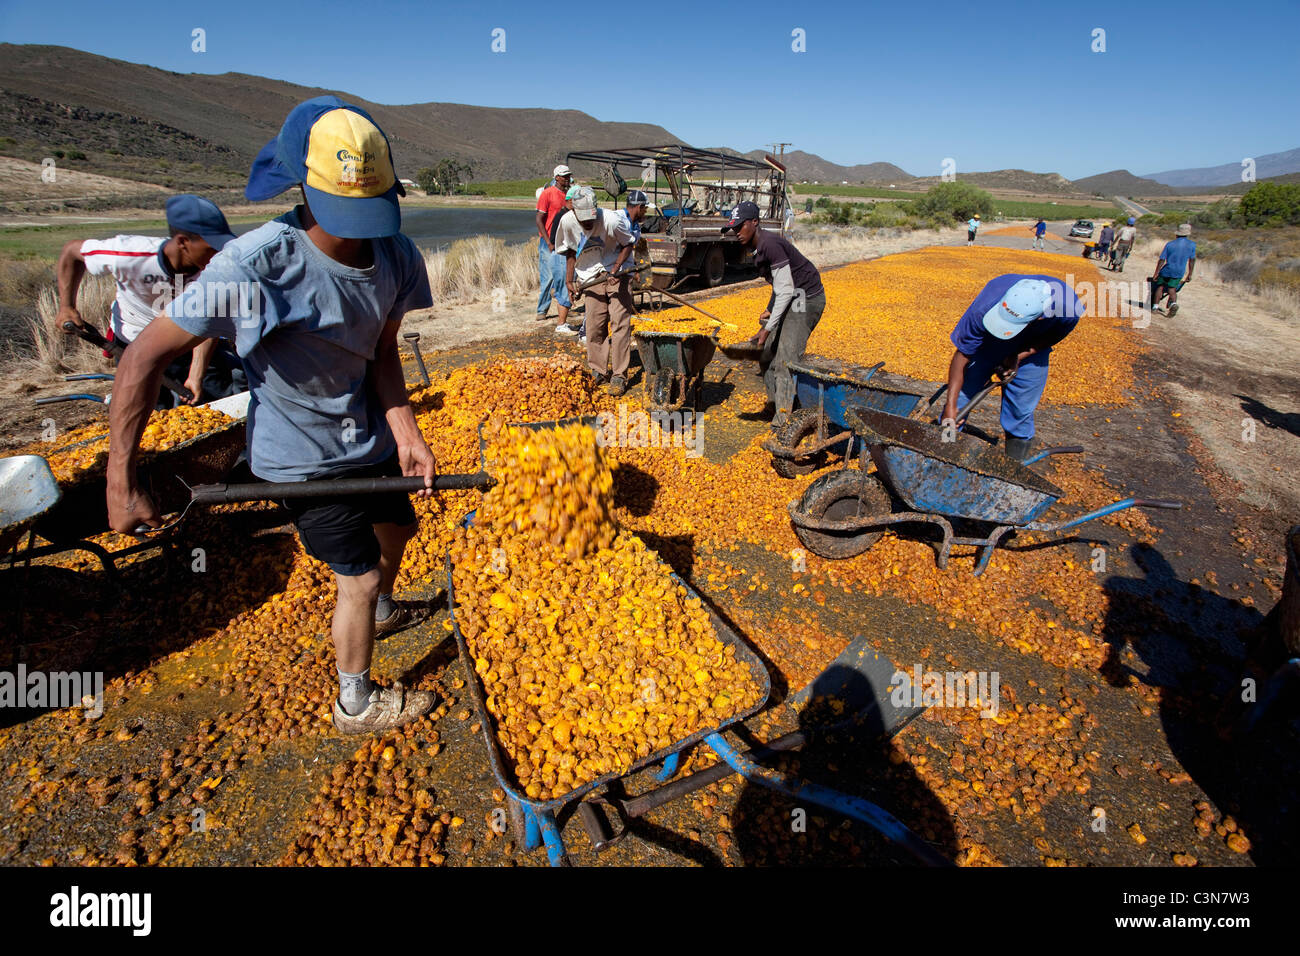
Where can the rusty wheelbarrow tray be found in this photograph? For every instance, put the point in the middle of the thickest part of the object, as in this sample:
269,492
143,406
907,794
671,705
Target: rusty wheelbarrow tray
824,392
921,477
674,364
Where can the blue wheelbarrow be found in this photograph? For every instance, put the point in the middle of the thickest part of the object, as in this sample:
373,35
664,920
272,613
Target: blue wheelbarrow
864,697
825,392
538,823
928,475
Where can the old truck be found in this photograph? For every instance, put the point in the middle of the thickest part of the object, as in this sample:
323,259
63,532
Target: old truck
692,192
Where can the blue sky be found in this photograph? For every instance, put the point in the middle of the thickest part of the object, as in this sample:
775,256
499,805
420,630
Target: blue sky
991,85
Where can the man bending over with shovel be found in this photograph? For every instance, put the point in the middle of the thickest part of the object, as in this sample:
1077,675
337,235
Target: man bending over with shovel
1010,327
792,312
313,301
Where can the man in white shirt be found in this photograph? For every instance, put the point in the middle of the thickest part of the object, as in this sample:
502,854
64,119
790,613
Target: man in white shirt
1124,243
595,241
149,273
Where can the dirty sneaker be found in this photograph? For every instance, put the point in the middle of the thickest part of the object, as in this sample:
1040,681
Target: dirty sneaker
404,615
617,385
389,707
1172,310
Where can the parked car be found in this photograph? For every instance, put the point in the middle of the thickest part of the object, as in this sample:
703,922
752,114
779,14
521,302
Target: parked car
1082,227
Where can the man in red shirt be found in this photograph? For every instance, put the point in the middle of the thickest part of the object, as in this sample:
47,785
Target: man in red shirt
550,267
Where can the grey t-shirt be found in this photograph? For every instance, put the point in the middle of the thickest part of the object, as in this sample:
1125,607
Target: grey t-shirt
307,329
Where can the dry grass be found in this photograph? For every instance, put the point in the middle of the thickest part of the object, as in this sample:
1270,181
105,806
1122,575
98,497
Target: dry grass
471,270
40,349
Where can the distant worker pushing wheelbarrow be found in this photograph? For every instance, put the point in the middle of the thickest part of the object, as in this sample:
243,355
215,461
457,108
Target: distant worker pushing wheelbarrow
1010,327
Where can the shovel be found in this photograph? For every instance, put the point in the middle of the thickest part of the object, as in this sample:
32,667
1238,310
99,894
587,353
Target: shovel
115,349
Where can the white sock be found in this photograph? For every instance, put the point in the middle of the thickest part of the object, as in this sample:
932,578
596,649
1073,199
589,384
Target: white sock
354,691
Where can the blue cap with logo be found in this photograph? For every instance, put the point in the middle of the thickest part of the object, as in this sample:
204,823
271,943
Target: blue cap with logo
1023,302
343,161
635,197
743,212
200,216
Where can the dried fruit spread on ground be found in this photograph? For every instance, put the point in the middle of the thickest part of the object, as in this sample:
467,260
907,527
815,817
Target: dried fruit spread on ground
591,656
83,452
901,309
1023,232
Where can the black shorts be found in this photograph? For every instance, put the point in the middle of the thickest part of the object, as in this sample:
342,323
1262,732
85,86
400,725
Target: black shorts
970,236
340,530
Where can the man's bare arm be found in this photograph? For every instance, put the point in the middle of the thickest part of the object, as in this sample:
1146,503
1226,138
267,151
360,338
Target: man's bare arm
71,270
135,386
198,368
956,378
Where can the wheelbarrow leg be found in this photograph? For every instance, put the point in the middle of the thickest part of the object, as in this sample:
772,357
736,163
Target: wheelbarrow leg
857,808
945,548
986,551
555,852
669,768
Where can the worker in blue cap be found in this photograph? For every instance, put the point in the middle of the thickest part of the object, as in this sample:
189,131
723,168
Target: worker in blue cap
1011,326
313,301
150,272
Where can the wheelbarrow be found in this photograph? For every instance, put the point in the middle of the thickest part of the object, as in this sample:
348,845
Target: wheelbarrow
27,491
824,391
80,512
537,823
674,364
926,475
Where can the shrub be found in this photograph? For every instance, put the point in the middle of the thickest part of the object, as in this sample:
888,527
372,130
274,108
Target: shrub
1243,269
954,201
1271,204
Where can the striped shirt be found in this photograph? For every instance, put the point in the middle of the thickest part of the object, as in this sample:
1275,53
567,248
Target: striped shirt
145,281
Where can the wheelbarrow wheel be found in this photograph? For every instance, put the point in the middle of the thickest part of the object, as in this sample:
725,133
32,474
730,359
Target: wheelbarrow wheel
800,427
838,496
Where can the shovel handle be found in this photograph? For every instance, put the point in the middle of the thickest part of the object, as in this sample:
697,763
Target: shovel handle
996,383
327,487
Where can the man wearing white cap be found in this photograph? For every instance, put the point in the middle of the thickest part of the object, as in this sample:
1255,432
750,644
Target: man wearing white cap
1010,327
1177,256
593,241
550,264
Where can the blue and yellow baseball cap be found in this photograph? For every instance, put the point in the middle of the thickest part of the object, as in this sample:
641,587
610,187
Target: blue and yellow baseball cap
342,159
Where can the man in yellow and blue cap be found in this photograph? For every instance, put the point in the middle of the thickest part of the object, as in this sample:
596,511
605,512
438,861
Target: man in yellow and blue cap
313,301
1011,326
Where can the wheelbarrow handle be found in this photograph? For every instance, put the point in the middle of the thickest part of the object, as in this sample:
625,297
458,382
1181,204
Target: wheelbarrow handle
88,377
1102,512
1055,450
75,397
320,488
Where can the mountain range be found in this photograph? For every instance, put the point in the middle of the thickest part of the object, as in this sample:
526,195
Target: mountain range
57,97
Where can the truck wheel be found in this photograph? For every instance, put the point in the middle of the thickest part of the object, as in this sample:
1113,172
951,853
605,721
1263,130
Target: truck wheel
838,496
800,427
714,267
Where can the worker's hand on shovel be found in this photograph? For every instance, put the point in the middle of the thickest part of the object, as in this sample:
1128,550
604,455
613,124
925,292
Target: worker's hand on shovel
417,459
131,511
69,313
